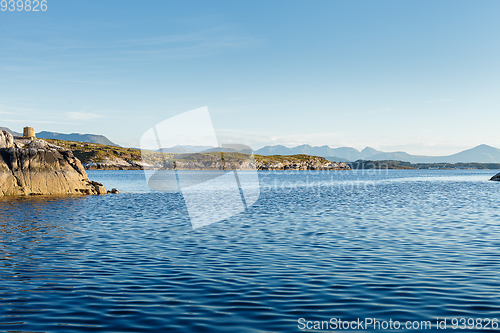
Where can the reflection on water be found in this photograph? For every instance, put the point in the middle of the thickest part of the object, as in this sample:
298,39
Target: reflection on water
32,226
28,220
412,245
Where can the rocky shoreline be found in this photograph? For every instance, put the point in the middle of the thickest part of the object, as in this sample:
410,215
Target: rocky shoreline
271,166
104,157
30,166
116,164
313,163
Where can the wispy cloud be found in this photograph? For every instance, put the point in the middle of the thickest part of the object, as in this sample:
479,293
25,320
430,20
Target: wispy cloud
25,121
9,109
83,115
180,46
377,111
440,100
50,116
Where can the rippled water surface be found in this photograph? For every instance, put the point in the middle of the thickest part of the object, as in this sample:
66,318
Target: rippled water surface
400,245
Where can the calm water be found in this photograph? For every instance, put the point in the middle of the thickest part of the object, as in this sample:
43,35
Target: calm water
400,245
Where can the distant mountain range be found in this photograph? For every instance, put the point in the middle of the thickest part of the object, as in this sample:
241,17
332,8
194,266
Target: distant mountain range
479,154
343,154
91,138
185,149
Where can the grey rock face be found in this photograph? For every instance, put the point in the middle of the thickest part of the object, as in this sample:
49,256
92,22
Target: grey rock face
6,139
36,167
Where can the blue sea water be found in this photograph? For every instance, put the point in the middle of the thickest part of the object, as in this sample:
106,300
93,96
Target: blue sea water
399,245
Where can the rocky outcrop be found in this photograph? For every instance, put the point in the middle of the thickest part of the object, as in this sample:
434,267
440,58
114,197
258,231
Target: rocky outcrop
6,139
208,164
102,157
36,167
214,162
496,177
312,163
116,164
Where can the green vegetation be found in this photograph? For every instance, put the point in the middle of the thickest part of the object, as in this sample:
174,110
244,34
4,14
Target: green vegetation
97,153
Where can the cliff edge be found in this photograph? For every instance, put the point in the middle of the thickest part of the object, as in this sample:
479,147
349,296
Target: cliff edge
30,166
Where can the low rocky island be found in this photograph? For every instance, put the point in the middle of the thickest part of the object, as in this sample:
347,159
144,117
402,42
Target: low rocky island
496,177
95,156
31,166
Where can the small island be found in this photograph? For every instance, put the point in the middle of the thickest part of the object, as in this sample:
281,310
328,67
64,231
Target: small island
31,166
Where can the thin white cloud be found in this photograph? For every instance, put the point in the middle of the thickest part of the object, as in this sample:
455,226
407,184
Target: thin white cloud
383,110
25,121
440,100
83,115
196,44
9,109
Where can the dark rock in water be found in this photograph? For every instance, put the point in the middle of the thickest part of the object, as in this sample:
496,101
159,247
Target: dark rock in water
496,177
36,167
114,191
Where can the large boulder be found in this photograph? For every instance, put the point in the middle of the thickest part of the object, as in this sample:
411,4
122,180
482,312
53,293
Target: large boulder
36,167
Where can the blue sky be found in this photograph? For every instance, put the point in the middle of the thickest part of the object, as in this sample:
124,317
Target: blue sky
419,76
